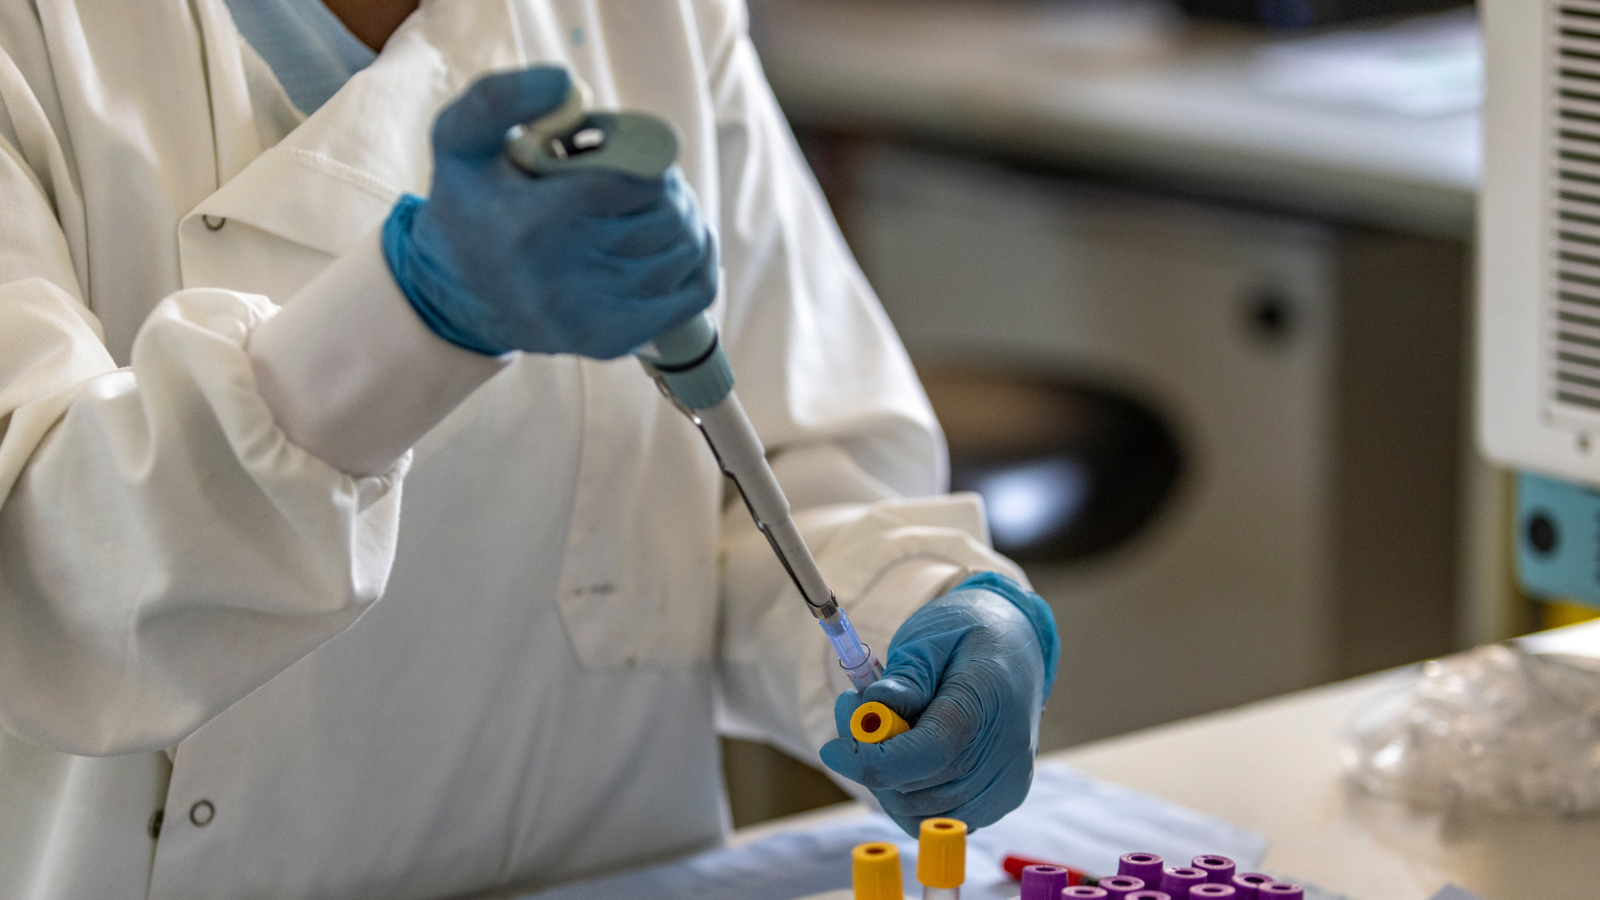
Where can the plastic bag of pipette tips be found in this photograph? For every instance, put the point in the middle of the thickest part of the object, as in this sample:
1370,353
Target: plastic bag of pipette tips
1497,728
1068,817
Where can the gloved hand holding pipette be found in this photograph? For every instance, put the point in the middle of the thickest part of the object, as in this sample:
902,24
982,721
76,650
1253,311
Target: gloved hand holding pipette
971,672
606,260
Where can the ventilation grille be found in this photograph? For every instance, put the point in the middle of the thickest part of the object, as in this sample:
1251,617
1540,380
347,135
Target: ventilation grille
1575,183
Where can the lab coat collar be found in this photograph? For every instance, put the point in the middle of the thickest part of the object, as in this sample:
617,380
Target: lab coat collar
333,178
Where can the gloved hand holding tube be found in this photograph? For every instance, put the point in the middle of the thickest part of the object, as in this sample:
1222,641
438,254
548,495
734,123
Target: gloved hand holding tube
970,671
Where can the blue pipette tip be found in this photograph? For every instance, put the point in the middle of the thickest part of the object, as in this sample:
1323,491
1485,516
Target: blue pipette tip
855,657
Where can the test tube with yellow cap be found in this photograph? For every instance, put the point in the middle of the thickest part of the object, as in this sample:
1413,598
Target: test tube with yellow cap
942,858
875,871
874,723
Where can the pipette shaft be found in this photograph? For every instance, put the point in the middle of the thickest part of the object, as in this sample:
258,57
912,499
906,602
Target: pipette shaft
739,452
687,362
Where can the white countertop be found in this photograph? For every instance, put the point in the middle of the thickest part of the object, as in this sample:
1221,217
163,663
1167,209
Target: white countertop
1174,105
1271,767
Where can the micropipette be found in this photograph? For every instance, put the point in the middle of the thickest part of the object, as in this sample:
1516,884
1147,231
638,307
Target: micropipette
688,363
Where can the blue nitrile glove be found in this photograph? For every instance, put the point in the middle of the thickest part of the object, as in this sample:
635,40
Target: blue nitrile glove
589,262
970,671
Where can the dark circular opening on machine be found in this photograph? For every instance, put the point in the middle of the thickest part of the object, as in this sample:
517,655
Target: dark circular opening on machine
1542,534
1067,470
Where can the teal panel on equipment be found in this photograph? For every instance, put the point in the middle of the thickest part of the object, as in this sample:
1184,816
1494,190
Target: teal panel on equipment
1558,539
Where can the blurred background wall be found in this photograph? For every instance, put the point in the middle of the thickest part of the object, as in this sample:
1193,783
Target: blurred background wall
1190,292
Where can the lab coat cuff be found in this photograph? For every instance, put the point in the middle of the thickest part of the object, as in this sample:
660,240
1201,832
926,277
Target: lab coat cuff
351,373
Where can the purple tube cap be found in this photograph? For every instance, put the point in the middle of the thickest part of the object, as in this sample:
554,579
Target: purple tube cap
1120,886
1279,890
1213,891
1083,892
1249,883
1178,880
1218,869
1043,882
1146,866
1148,895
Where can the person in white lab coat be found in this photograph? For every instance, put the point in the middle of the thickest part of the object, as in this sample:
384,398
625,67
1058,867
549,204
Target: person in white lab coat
213,392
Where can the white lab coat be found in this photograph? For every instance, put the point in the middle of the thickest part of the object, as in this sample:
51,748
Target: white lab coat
189,613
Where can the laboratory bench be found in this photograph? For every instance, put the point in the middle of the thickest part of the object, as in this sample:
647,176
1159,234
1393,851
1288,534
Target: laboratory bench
1272,767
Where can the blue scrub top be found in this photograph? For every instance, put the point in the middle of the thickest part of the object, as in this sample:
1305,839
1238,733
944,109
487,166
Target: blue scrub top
308,48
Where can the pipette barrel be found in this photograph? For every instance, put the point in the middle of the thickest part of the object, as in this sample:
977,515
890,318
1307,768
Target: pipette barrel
691,365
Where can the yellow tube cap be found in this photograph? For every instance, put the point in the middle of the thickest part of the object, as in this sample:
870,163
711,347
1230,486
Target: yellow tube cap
942,853
874,723
875,869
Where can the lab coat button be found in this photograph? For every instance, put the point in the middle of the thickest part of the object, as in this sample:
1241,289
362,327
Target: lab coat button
214,223
201,813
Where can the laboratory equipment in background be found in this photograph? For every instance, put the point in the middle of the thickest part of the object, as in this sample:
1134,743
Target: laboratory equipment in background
1539,306
1308,13
1557,532
1066,470
1184,420
1259,284
1501,728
